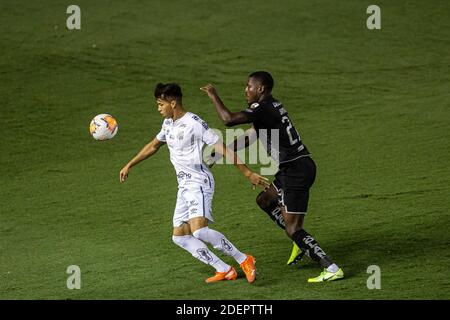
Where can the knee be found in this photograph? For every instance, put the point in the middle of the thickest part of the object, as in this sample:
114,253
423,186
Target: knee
262,200
180,240
201,234
259,199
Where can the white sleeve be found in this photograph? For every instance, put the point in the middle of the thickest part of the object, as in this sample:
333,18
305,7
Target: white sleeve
161,136
210,137
207,134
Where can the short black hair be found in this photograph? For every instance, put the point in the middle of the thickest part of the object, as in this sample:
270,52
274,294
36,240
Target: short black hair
264,78
168,90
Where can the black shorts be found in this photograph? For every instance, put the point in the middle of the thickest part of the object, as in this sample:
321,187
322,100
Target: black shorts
293,181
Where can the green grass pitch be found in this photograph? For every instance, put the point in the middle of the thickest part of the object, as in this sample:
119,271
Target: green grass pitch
373,107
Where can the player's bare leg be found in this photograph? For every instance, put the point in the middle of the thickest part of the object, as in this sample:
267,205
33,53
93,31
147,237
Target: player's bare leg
295,231
267,200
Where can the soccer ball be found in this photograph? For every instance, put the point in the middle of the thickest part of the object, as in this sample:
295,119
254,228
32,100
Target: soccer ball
103,127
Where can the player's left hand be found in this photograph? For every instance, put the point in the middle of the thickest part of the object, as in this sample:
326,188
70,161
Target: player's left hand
258,180
213,158
210,160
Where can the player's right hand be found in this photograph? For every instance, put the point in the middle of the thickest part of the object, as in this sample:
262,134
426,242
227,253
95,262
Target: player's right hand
124,173
210,90
258,180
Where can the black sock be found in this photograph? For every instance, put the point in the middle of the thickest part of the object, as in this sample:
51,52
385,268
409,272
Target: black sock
274,212
308,244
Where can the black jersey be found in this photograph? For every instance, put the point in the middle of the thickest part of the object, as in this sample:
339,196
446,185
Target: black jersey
270,114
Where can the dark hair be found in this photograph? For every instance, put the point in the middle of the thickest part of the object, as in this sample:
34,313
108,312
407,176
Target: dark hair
264,78
168,90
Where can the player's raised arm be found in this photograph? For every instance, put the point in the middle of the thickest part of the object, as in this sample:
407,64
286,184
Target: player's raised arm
147,151
228,118
255,179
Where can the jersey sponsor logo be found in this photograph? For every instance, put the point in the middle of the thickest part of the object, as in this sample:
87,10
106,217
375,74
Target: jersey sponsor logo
183,175
180,135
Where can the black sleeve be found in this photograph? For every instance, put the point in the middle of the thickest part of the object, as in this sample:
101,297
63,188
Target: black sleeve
254,112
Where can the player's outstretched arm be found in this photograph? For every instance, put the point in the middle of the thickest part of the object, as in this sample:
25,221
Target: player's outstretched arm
147,151
241,142
245,140
253,177
228,118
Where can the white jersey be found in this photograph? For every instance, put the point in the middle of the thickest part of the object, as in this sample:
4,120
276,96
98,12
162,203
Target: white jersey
185,138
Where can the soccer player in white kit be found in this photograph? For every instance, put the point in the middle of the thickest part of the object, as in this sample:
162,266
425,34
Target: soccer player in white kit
185,134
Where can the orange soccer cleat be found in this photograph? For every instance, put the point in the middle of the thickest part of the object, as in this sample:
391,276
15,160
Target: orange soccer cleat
248,266
219,276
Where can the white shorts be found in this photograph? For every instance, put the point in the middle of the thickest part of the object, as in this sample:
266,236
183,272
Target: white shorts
192,203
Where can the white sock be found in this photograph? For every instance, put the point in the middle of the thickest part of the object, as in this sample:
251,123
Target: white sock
333,268
220,242
221,266
200,251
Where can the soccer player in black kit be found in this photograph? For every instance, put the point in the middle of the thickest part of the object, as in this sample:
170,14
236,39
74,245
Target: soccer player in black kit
289,192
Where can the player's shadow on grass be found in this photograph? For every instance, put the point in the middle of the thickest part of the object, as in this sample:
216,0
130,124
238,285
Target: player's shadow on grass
385,247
